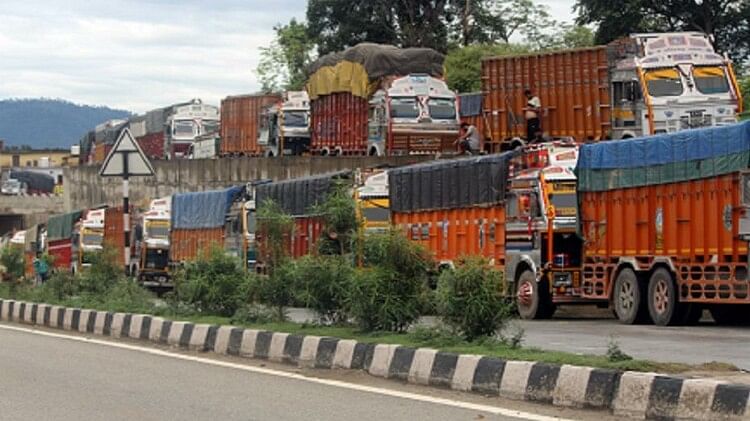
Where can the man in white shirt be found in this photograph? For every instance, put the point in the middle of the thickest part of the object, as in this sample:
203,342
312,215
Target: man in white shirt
533,113
470,140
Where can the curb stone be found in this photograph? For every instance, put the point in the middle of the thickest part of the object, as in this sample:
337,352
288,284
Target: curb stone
625,394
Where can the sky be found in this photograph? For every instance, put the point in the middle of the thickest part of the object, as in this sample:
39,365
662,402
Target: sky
142,54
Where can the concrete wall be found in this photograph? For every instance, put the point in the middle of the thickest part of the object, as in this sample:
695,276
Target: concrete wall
84,188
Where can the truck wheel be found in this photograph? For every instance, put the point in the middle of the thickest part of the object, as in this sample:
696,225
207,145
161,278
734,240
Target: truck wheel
663,306
629,299
533,298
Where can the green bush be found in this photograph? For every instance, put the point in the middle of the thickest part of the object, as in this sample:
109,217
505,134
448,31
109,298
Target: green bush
469,299
322,283
127,296
254,313
380,299
394,252
214,284
339,213
12,260
103,273
274,227
277,289
59,286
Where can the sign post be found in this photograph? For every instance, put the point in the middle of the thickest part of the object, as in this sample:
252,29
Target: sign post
126,159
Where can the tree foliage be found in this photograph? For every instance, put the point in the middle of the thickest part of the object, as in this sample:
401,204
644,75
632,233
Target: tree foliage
727,20
463,66
282,64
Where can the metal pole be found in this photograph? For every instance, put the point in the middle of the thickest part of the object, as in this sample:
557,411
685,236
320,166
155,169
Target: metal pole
126,211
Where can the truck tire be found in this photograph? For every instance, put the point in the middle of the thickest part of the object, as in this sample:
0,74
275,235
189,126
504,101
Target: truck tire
532,297
663,306
629,298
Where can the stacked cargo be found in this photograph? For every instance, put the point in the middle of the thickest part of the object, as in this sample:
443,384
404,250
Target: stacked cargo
240,117
148,131
379,99
198,222
298,198
60,235
455,208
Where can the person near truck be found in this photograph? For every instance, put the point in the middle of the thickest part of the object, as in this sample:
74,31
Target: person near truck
469,141
532,112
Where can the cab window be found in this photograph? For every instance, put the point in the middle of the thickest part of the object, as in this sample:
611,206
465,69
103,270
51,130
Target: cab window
664,82
710,80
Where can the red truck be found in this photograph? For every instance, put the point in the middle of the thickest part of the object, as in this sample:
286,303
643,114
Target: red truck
62,240
381,100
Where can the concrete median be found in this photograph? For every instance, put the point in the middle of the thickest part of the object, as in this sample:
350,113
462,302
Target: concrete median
625,394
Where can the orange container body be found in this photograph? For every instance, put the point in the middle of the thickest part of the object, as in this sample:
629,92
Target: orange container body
454,233
307,231
188,244
339,120
101,150
61,252
28,264
114,233
573,87
693,223
240,120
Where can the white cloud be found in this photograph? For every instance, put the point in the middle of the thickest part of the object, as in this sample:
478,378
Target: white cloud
141,54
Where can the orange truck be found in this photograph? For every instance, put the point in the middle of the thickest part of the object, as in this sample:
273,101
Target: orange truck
656,228
640,85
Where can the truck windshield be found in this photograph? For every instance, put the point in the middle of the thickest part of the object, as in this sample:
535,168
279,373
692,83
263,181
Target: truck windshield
157,231
295,119
184,128
442,109
664,82
710,80
250,223
92,238
565,203
376,214
404,108
210,126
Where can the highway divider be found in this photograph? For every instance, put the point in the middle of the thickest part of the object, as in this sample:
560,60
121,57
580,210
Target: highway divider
624,393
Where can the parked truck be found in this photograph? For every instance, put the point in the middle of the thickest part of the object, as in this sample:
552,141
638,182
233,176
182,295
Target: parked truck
285,125
63,241
381,100
105,227
187,122
240,122
636,86
154,247
202,220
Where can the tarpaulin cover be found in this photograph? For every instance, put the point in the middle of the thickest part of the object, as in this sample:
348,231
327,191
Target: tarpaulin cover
36,182
60,227
667,158
470,105
298,196
449,184
361,68
206,209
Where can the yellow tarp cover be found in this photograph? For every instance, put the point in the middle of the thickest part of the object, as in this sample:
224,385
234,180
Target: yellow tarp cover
708,72
662,74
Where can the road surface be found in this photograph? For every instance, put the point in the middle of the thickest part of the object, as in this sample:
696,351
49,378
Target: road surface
49,376
586,330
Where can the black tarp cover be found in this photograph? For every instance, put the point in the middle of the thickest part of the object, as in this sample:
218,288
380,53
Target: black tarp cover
298,196
449,184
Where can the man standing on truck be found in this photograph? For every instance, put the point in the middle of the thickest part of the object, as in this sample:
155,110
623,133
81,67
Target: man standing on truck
469,141
532,111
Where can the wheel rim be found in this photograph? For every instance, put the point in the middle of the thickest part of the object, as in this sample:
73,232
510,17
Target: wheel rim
661,296
627,296
525,293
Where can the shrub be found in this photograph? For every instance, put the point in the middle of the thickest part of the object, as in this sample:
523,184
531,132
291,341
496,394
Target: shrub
127,296
59,286
12,259
339,212
274,227
254,313
214,284
103,273
276,290
393,251
322,283
469,299
380,299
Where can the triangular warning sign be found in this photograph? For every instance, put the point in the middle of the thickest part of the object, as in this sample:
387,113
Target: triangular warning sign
126,159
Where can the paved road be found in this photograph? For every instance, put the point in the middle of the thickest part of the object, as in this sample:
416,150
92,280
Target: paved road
50,378
587,330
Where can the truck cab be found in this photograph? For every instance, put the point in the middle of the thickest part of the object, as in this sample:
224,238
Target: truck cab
285,126
415,114
543,247
372,201
91,238
189,122
669,82
154,253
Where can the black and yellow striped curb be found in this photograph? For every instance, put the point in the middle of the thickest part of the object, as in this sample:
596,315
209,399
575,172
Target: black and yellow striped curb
627,394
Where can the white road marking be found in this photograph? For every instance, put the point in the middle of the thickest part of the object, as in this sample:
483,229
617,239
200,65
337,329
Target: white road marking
270,372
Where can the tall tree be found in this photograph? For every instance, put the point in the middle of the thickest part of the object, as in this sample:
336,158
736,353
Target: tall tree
282,65
727,20
463,66
336,25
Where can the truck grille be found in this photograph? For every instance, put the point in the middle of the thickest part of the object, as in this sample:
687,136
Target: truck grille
695,119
